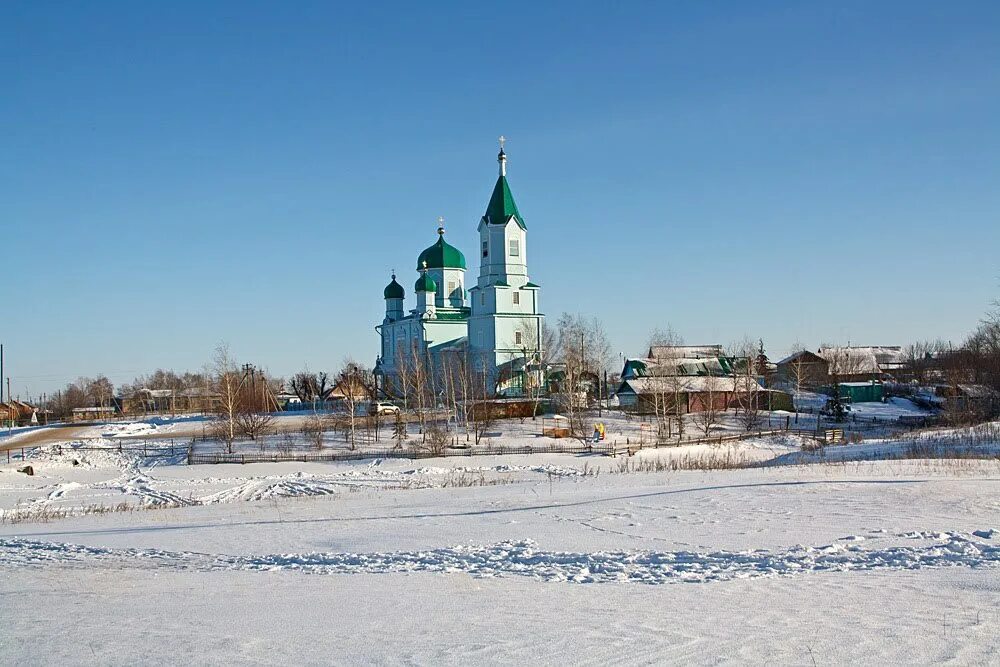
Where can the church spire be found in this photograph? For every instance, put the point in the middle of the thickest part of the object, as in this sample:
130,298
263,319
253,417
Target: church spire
502,157
502,207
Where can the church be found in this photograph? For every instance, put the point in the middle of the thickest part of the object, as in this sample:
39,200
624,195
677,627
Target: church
495,326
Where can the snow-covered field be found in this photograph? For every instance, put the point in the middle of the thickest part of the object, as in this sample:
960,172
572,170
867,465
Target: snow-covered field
109,558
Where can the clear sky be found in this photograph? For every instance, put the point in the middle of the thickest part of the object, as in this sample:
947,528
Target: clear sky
176,174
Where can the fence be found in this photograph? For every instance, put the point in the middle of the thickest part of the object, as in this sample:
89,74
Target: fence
578,447
160,449
399,453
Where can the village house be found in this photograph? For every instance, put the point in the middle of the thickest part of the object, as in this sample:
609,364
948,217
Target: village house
864,362
17,412
853,366
92,414
146,401
692,378
803,370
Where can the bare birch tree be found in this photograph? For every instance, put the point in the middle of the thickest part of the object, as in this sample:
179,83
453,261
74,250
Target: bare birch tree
584,354
670,386
229,385
746,388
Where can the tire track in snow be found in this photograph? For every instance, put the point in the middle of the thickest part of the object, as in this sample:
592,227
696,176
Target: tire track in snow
524,558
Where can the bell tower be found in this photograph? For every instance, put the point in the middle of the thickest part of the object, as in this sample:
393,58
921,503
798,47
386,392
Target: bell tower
505,324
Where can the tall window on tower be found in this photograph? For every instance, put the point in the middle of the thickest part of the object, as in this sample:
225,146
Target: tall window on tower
517,298
515,248
486,249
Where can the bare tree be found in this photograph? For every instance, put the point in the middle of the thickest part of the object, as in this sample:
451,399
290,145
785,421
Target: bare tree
746,388
708,416
480,403
399,430
256,402
315,428
584,355
351,384
670,384
100,390
229,385
537,346
310,387
798,369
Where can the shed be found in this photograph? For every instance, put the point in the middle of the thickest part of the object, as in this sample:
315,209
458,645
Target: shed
861,392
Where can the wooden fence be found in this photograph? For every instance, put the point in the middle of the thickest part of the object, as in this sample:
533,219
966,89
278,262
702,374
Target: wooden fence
576,447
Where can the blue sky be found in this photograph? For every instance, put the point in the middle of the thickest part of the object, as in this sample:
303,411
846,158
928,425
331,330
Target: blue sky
176,174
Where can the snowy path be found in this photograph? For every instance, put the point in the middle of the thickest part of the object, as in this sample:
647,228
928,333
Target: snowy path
523,558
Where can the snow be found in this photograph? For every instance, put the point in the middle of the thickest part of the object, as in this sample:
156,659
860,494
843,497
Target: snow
531,559
525,558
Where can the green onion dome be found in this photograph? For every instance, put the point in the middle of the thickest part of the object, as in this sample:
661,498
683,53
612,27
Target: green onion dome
425,283
441,255
394,290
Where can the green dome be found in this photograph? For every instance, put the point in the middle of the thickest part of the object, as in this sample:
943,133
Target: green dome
394,290
425,284
441,255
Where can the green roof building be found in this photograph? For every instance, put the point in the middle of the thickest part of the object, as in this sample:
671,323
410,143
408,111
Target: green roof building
499,324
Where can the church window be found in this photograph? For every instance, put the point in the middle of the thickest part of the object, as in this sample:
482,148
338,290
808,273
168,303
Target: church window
515,248
482,298
486,249
517,338
451,288
517,298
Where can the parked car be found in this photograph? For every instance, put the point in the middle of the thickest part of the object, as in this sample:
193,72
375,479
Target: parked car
378,408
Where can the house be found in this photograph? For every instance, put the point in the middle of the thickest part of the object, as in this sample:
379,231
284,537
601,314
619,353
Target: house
199,399
16,412
685,351
350,389
170,401
92,414
692,378
803,370
864,363
686,394
145,401
975,400
288,401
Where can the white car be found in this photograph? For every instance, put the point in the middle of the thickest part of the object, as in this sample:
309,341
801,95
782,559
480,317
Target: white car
384,409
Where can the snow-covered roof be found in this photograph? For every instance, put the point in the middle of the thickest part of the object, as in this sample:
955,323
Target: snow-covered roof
801,353
160,393
863,359
684,351
977,391
199,391
668,367
688,384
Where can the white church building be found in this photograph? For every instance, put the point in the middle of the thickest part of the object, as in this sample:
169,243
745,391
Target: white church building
496,324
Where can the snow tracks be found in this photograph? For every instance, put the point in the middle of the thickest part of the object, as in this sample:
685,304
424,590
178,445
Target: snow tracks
524,558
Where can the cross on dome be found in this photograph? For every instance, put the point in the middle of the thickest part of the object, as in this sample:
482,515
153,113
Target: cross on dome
502,157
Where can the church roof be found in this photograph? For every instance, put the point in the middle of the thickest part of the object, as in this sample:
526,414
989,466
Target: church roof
394,290
502,207
441,255
425,283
